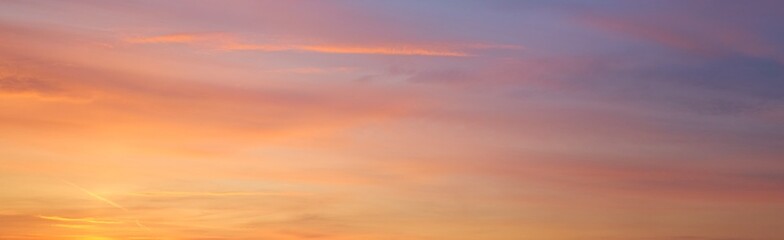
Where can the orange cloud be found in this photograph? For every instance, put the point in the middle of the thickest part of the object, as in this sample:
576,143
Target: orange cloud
83,220
230,43
334,49
211,194
98,197
172,38
256,47
404,50
315,70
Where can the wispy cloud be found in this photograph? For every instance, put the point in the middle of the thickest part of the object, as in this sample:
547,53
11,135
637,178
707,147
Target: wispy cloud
257,120
140,225
170,38
647,32
82,220
211,194
337,49
96,196
315,70
74,226
231,43
392,50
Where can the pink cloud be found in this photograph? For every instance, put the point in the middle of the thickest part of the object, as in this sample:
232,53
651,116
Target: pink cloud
232,43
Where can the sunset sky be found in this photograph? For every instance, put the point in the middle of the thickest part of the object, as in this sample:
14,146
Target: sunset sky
391,120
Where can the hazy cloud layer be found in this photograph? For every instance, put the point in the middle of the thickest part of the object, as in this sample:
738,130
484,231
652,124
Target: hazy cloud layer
553,120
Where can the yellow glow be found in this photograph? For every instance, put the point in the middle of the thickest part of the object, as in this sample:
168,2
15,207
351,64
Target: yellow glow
94,238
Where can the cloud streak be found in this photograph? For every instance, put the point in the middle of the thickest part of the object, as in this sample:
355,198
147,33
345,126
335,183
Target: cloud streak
230,43
82,220
96,196
211,194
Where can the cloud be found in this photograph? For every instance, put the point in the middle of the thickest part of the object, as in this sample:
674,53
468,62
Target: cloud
211,194
235,108
82,220
19,84
706,35
171,38
97,197
315,70
231,43
336,49
403,50
663,35
476,141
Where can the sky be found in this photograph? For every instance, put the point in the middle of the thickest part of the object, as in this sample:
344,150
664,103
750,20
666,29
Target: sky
391,120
